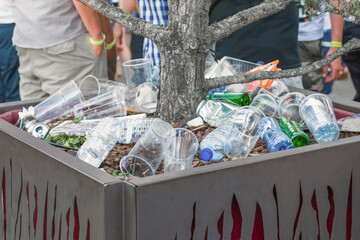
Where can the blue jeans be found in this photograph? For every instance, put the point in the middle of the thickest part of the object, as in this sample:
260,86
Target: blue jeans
9,64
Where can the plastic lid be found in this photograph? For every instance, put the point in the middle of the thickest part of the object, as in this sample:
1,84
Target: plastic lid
206,154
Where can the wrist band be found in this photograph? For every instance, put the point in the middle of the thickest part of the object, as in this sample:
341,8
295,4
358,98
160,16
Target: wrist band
335,44
96,42
110,45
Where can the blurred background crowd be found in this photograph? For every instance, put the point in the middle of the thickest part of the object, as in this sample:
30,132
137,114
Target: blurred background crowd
45,44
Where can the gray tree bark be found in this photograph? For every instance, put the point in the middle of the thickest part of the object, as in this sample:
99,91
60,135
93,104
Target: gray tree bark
185,42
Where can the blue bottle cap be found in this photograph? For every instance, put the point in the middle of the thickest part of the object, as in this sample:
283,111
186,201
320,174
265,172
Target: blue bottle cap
206,154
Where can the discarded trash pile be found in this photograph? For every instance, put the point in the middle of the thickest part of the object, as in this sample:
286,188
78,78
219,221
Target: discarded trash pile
234,122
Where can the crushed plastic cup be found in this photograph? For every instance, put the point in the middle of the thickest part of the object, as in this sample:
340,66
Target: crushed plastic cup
108,104
92,86
100,143
318,113
181,151
60,104
266,102
139,71
142,98
289,106
147,154
246,120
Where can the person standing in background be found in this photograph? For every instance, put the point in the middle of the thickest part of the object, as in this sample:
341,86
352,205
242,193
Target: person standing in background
9,61
266,40
310,37
352,59
57,41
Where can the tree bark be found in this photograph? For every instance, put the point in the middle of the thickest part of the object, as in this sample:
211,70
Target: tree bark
183,60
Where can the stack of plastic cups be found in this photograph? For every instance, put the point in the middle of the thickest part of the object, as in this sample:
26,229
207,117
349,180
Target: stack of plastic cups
317,112
60,104
106,105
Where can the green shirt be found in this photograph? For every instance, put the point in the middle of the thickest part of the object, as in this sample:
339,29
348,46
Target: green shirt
266,40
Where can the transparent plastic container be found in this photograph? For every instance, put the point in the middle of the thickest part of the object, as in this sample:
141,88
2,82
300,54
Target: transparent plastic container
181,151
143,98
272,135
59,105
131,130
106,105
100,143
139,71
318,113
228,66
147,154
266,102
219,143
289,106
92,86
246,121
214,112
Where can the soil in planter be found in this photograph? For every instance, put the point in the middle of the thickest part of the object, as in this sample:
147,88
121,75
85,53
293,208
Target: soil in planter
111,162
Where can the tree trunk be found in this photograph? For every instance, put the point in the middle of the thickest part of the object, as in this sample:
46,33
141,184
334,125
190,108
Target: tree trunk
183,56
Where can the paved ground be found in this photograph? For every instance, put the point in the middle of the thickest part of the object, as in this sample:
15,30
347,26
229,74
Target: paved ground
343,89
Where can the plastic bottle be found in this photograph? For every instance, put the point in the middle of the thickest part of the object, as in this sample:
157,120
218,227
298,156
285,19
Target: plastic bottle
217,143
212,112
272,135
293,130
241,99
99,144
131,130
219,89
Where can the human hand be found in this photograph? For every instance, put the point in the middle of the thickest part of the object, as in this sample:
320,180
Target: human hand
97,49
336,68
118,35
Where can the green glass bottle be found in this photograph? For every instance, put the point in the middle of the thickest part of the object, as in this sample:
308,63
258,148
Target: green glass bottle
241,99
293,130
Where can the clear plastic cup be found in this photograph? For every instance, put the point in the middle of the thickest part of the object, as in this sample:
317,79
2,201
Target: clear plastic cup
278,88
106,105
181,151
266,102
139,71
289,106
318,113
147,154
246,121
92,86
142,98
59,105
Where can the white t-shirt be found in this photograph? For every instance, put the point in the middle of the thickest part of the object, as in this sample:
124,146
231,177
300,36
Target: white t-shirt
45,23
311,30
7,11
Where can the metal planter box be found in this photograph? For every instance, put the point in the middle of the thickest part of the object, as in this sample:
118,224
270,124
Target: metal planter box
304,193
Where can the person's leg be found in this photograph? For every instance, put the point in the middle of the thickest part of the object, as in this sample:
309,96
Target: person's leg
71,60
30,85
352,61
310,52
9,64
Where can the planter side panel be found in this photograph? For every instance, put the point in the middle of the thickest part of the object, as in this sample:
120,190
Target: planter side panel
42,198
302,193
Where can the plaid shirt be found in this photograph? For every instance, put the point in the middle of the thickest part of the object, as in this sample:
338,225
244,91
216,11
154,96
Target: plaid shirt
156,12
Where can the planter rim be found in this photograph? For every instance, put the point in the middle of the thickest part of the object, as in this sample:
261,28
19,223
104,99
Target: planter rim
105,178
